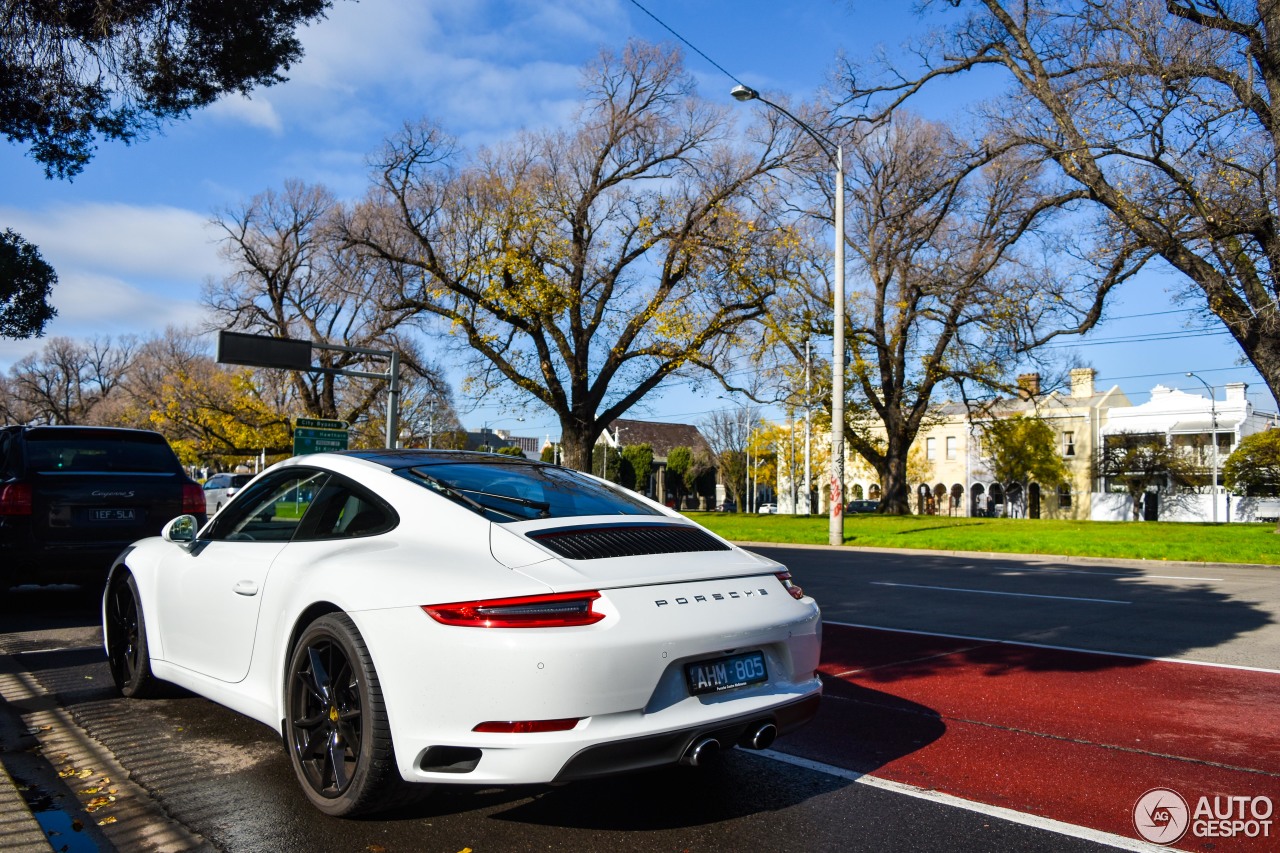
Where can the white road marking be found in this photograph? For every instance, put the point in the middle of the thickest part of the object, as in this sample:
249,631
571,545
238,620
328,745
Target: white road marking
994,592
1022,818
1129,575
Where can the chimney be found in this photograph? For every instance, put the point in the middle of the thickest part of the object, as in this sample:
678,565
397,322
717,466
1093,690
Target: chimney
1236,392
1082,381
1029,385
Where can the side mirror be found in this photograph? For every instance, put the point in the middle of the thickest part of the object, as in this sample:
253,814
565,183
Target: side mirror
181,530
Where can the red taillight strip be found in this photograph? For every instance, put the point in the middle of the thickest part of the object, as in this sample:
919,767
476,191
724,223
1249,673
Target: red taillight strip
15,499
556,610
524,727
192,499
785,579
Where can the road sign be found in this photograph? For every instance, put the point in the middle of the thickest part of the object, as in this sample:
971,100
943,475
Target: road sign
318,435
320,423
263,351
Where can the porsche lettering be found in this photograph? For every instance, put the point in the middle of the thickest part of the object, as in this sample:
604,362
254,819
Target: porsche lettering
715,596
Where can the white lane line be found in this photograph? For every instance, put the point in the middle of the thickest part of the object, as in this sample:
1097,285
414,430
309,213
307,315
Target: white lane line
993,592
1106,575
1022,818
1053,648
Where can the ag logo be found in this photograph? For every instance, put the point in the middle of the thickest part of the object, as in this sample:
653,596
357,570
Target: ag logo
1161,816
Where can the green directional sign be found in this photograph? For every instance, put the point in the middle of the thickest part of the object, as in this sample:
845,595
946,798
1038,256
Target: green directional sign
317,435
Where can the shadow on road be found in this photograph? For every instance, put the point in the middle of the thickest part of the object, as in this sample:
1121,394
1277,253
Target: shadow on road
1118,608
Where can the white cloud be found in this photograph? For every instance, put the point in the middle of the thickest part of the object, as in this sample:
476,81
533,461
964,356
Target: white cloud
121,269
255,111
90,306
128,241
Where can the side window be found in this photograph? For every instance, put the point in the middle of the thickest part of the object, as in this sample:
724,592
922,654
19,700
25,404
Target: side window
344,510
6,465
272,511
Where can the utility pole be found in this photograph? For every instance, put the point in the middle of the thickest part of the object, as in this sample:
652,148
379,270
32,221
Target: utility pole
808,435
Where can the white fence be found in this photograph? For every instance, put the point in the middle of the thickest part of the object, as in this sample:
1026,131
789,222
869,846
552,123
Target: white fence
1105,506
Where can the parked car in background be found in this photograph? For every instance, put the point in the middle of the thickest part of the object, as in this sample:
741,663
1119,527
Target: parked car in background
727,506
73,497
219,488
861,507
768,509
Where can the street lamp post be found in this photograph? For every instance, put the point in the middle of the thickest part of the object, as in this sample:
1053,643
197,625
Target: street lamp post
1213,415
835,529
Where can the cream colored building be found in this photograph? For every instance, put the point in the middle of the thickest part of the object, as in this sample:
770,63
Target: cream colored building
950,475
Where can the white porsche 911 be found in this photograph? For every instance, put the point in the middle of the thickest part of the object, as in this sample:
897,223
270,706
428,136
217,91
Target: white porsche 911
446,617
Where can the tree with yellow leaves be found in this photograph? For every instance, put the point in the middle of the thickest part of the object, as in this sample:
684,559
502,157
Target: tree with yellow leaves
583,267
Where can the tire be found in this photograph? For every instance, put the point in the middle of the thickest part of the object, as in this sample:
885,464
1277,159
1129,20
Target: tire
336,731
126,630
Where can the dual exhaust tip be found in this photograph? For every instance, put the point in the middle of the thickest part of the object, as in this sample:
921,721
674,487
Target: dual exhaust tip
705,750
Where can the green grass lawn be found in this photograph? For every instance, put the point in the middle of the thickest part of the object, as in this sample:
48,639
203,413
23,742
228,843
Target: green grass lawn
1208,543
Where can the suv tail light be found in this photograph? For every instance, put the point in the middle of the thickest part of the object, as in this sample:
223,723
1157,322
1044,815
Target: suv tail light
192,499
558,610
15,499
785,579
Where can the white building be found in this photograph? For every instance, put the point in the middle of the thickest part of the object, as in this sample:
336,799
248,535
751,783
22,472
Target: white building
1193,423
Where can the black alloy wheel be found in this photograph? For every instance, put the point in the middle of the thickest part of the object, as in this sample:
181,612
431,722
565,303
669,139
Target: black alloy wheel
337,733
126,632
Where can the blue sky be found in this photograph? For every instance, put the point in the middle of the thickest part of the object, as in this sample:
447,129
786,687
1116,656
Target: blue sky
130,236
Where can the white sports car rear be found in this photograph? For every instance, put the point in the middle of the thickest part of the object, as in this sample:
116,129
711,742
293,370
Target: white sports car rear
444,617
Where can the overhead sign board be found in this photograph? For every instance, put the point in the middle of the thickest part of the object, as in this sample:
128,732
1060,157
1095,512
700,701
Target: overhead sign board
262,351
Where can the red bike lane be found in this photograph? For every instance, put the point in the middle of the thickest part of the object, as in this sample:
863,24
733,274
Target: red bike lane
1076,737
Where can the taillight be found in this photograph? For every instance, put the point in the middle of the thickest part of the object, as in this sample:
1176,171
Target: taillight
15,499
785,579
192,499
557,610
524,727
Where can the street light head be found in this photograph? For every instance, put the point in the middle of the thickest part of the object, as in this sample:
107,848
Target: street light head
744,93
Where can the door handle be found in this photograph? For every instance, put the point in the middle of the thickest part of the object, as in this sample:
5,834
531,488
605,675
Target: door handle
245,588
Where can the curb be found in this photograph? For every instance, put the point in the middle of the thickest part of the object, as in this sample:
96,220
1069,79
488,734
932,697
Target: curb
20,832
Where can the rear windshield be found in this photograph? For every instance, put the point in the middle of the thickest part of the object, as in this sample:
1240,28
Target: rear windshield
506,492
61,451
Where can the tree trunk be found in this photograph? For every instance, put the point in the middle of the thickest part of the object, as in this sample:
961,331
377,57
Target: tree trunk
895,497
577,440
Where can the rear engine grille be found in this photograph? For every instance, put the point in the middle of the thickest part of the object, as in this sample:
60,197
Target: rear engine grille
596,543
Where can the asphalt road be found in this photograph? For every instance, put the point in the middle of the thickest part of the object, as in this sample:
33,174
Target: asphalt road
181,773
1226,614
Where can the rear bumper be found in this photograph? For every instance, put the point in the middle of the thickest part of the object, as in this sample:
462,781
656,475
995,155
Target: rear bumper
667,748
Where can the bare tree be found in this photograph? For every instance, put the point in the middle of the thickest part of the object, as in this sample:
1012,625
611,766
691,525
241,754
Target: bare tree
728,431
1163,113
66,381
293,279
952,280
584,267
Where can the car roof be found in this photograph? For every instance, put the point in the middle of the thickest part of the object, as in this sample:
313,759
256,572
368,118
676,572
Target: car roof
417,457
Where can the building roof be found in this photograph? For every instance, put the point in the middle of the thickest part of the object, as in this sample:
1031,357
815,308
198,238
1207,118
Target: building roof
662,437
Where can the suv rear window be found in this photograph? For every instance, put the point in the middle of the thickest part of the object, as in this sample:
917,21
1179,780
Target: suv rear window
62,450
506,492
